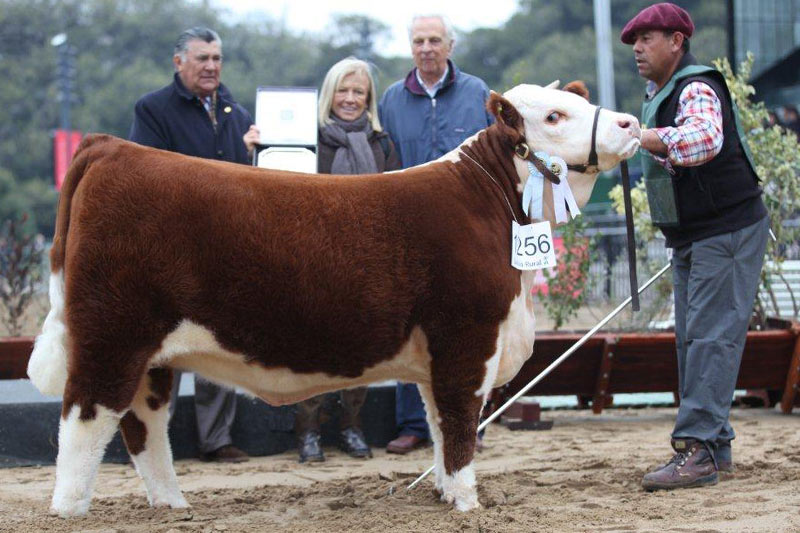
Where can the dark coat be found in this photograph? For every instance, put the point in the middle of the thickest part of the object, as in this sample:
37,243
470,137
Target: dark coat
325,153
174,119
721,195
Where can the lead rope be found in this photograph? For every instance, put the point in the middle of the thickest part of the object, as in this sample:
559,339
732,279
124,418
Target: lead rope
626,195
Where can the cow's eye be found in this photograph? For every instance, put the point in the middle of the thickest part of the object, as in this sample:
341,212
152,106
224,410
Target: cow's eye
553,117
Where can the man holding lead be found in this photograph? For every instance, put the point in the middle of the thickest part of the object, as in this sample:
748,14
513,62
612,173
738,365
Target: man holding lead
705,197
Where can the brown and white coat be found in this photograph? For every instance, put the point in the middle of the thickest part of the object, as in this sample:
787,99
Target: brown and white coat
291,285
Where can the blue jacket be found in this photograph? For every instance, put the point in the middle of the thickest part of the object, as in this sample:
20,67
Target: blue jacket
174,119
424,128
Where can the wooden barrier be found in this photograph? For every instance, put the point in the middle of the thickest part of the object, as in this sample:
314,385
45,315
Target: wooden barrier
635,362
14,355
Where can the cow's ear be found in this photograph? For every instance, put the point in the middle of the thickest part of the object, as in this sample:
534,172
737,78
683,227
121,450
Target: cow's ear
504,111
577,87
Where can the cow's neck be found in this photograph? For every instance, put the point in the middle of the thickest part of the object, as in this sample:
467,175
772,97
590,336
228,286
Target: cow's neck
487,158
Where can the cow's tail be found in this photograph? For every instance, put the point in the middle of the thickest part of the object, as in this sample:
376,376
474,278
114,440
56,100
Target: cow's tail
47,367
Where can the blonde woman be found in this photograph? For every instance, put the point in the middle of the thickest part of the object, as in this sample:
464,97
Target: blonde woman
351,141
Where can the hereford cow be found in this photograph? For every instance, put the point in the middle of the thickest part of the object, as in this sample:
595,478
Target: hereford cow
290,285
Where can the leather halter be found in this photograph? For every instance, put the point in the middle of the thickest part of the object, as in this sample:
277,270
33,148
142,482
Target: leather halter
593,152
524,152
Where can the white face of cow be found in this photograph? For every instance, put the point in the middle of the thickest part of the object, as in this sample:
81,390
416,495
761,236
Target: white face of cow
560,123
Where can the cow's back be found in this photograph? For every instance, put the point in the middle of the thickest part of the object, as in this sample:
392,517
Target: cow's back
300,271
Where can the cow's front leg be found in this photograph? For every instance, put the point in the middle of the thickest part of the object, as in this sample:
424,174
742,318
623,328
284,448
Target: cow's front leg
459,411
461,382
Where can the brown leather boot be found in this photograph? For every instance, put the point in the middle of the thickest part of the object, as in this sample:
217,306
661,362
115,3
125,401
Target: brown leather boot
725,459
691,466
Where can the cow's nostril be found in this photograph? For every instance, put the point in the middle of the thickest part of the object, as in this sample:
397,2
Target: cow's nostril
624,124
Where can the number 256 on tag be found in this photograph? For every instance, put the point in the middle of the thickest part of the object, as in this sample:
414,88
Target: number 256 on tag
532,246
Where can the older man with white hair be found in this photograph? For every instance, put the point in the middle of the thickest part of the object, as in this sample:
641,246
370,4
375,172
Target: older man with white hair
433,110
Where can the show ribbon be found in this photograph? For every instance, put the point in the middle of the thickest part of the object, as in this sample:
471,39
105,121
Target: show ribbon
562,194
533,193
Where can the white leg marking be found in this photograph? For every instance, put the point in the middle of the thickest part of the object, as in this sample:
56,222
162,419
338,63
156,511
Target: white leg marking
81,444
459,489
47,366
154,463
491,372
434,421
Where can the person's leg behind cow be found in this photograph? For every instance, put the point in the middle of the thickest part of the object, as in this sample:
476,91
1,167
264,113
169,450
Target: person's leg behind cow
351,436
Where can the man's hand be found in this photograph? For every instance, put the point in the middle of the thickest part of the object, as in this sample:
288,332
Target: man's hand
251,138
652,143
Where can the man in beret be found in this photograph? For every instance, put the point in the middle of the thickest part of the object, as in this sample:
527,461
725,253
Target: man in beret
705,197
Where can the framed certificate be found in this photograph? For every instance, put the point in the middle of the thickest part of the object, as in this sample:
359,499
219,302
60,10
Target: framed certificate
287,116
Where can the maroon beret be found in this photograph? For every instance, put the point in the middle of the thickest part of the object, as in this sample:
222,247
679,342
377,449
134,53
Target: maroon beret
663,16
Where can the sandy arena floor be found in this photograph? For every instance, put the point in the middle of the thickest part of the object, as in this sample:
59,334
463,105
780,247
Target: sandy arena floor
583,475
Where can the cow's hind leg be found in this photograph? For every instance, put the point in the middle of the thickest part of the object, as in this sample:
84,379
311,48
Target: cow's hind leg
434,425
144,429
459,390
83,435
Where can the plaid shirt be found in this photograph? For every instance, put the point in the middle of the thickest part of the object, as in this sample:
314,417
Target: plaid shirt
697,137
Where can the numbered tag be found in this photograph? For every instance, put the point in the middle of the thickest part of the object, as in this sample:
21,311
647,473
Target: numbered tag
532,246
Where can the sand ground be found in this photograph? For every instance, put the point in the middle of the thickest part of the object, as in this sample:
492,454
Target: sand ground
583,475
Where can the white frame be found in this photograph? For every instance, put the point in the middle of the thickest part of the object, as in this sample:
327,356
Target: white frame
287,116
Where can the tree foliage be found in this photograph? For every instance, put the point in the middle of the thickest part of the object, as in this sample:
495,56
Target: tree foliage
776,155
545,40
21,259
124,50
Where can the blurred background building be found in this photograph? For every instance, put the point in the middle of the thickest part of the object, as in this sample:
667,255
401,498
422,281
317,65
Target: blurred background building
770,29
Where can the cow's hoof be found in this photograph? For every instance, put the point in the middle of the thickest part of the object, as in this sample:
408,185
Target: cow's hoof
462,502
467,504
64,510
178,502
459,489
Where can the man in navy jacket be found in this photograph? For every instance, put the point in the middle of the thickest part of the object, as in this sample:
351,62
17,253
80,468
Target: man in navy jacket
429,113
196,115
